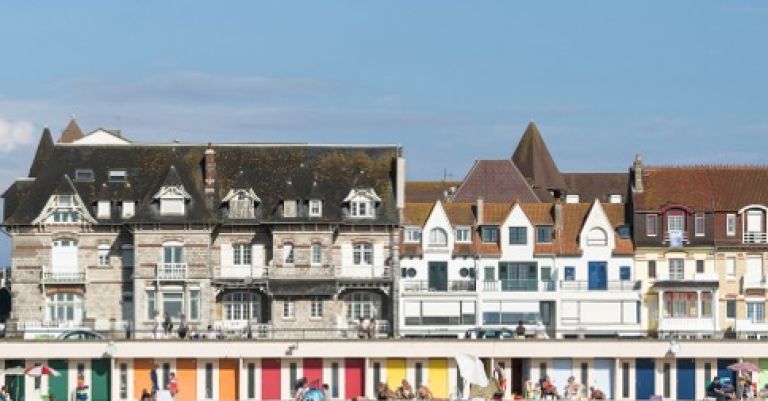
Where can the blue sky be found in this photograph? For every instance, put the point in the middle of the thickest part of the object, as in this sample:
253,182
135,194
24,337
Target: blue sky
679,82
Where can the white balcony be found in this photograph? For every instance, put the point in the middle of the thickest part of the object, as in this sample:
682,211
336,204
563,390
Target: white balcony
451,286
701,326
239,272
755,238
68,276
676,239
171,271
747,327
610,285
754,283
364,272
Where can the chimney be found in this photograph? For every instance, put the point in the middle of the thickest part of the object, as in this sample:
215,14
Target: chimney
480,208
210,169
637,173
558,215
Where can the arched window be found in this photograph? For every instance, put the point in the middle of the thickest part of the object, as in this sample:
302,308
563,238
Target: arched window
438,237
597,237
64,306
241,306
362,305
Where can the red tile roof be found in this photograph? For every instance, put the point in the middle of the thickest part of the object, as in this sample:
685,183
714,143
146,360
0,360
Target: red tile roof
428,191
494,181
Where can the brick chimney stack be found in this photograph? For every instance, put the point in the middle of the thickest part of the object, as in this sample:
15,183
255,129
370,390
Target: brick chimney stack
210,170
637,173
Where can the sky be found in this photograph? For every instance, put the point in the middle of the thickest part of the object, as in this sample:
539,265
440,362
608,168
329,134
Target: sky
679,82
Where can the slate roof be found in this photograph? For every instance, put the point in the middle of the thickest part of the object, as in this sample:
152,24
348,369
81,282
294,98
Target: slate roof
71,133
428,191
535,162
591,186
703,188
266,168
494,181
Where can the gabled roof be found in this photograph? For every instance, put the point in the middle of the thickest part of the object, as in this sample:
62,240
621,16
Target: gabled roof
71,133
703,188
495,181
428,191
535,162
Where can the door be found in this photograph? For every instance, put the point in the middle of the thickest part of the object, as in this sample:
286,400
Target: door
58,385
354,378
602,375
686,379
598,276
313,371
645,379
724,373
438,276
100,385
754,221
754,269
270,379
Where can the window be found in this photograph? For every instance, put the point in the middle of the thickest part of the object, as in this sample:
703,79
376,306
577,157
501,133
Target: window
518,235
698,224
463,235
412,235
241,254
730,309
173,254
288,309
544,234
706,304
650,225
676,269
83,175
361,208
241,306
289,208
730,225
103,209
194,305
315,208
171,206
754,221
675,223
123,381
127,255
117,175
316,308
651,269
129,209
438,237
730,267
571,198
418,368
625,379
64,306
362,305
546,273
173,303
756,311
317,254
209,381
65,217
489,273
625,273
614,198
362,254
597,237
569,273
64,200
251,380
489,234
680,304
699,266
151,304
667,380
334,380
103,255
241,203
288,254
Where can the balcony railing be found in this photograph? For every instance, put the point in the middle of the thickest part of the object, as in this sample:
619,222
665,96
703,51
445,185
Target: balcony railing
755,238
55,276
610,285
238,272
452,286
676,238
520,285
171,271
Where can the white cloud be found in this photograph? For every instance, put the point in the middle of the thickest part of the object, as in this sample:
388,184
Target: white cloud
15,133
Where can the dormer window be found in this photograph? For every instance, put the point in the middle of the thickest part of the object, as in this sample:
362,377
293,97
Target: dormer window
103,209
172,200
117,175
614,198
65,217
129,209
489,234
315,208
698,224
289,208
64,201
571,198
412,235
241,203
362,202
463,235
83,175
597,237
438,237
544,234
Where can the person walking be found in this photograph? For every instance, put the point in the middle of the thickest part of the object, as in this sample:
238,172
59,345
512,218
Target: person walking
173,384
154,380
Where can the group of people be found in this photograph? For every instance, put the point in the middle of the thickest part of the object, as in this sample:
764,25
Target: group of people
163,326
172,386
305,391
546,389
366,328
404,392
745,388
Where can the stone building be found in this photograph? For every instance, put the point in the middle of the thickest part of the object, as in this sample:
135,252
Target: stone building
261,239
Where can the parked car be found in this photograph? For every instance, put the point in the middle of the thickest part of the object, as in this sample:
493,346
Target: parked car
490,333
80,335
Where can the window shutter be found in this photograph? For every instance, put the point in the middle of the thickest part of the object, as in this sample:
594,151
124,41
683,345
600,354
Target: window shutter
257,255
226,255
378,254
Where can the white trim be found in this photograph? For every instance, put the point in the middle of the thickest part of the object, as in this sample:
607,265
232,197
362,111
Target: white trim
201,379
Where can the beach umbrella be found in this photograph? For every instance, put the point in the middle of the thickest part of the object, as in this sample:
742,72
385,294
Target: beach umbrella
472,369
743,367
41,370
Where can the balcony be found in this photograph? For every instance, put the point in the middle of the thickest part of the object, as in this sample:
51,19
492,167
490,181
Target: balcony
56,276
751,327
238,272
364,272
520,285
755,238
172,271
453,286
703,326
753,283
676,239
300,272
610,285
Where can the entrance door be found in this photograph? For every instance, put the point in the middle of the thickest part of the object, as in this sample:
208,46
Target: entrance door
686,379
598,276
438,276
645,383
